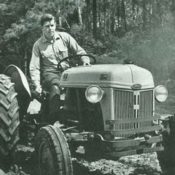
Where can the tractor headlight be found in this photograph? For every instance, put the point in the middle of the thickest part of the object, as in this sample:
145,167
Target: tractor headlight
161,93
94,94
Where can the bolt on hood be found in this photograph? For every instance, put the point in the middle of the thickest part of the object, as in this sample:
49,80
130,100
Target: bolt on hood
110,75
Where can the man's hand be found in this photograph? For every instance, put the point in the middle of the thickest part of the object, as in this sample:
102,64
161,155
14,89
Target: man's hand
85,60
86,64
65,65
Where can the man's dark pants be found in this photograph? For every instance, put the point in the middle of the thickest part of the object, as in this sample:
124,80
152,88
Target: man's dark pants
51,82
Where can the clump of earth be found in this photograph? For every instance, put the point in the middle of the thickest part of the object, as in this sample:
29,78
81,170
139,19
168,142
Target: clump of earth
144,164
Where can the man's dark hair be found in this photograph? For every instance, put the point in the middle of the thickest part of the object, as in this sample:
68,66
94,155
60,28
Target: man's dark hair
45,18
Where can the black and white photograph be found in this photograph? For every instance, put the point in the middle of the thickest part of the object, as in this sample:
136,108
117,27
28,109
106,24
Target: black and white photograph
87,87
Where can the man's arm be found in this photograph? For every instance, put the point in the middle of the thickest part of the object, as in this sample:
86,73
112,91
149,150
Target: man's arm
35,67
75,47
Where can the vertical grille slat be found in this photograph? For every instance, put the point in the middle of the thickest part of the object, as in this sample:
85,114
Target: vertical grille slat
124,108
146,106
124,104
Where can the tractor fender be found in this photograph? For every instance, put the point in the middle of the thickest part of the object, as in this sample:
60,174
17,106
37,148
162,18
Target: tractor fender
21,86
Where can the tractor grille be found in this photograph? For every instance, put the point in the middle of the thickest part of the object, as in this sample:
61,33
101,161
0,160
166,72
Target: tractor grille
133,111
124,101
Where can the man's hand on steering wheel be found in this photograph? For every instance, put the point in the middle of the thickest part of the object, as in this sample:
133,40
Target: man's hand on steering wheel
65,65
85,60
86,64
76,60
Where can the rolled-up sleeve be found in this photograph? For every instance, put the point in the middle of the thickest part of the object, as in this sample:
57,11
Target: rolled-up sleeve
35,66
76,48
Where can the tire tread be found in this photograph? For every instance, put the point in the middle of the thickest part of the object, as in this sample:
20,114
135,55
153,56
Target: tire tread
58,143
9,116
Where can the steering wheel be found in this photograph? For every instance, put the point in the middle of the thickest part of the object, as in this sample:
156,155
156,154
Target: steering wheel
74,61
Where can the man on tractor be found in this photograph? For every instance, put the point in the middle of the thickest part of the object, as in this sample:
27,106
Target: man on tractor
48,51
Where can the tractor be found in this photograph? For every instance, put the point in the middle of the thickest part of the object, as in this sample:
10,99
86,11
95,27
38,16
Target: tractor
107,110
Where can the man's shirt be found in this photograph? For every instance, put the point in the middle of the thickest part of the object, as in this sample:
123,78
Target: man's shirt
49,53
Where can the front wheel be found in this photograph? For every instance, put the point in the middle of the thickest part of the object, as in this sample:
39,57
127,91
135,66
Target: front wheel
53,152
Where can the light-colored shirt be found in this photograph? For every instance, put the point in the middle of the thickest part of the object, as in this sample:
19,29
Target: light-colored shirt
49,53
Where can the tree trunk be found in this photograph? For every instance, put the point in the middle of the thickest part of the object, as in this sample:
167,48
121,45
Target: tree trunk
25,62
95,18
144,14
112,23
118,16
60,21
104,16
173,10
79,14
114,6
99,15
124,15
88,16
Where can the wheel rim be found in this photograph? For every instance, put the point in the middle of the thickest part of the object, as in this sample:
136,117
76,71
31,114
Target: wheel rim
46,160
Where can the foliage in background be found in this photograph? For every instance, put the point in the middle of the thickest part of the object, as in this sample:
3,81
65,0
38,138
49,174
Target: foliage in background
113,30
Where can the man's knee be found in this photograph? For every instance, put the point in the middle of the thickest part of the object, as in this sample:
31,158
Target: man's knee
55,89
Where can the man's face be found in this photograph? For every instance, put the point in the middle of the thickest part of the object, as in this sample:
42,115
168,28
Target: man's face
49,29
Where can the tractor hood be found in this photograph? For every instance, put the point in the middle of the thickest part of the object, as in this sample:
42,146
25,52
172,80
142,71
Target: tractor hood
110,75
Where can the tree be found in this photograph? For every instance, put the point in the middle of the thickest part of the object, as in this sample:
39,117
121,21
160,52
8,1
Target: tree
94,18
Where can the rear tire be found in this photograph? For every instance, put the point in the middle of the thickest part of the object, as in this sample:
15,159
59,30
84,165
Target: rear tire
52,152
9,118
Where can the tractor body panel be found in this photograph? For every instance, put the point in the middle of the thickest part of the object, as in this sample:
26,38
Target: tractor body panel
120,76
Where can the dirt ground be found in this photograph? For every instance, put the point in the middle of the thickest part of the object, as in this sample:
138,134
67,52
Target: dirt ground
145,164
